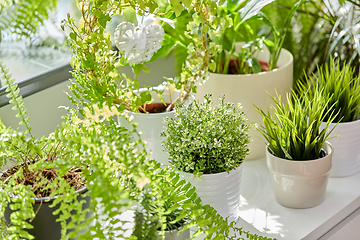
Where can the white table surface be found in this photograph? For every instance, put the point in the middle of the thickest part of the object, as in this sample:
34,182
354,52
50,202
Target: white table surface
260,210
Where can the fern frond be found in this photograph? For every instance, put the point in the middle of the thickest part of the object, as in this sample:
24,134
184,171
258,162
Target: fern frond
26,16
13,94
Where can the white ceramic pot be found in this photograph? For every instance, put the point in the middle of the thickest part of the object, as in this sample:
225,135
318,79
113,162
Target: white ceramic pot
346,144
252,89
151,125
300,184
219,190
173,235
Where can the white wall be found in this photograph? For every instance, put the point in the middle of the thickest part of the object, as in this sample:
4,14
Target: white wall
43,110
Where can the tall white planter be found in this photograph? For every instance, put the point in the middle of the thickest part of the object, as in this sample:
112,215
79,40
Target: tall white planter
151,125
251,89
300,184
219,190
346,158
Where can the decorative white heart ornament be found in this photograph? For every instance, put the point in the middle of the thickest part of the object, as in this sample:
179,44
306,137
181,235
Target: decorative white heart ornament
139,43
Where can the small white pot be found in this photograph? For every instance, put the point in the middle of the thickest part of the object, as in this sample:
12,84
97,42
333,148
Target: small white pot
151,125
252,89
219,190
173,235
346,158
300,184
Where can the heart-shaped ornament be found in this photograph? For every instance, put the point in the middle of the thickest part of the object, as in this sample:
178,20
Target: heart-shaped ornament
138,43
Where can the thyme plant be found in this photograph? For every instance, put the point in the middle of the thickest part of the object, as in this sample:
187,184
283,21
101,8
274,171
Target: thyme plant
293,129
202,138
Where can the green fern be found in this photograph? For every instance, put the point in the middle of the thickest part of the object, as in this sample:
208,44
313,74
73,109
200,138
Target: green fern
26,16
13,91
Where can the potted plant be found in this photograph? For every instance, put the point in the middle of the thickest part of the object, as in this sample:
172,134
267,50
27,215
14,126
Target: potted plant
210,142
96,64
147,221
29,178
238,73
338,83
298,155
329,29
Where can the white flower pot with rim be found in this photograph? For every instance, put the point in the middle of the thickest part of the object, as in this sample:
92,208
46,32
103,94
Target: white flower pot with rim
252,89
346,142
151,125
219,190
300,184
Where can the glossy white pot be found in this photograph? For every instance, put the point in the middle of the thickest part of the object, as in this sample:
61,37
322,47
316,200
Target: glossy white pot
219,190
346,144
252,89
151,125
300,184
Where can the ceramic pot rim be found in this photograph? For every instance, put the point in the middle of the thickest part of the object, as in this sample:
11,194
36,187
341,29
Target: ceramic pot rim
283,51
344,123
310,160
45,200
50,200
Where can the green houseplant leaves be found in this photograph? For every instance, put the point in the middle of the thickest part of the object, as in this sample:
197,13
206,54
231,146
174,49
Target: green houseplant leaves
292,127
207,139
338,83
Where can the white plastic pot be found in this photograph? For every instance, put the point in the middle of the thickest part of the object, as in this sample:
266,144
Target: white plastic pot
252,89
346,158
151,125
219,190
300,184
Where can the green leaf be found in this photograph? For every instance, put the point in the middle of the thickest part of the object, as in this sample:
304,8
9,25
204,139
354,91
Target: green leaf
145,96
167,45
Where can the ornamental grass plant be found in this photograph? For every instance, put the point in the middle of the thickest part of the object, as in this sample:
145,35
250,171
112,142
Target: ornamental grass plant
207,139
338,83
293,129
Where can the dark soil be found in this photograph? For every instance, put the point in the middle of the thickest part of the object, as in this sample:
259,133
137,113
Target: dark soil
322,153
72,177
154,108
